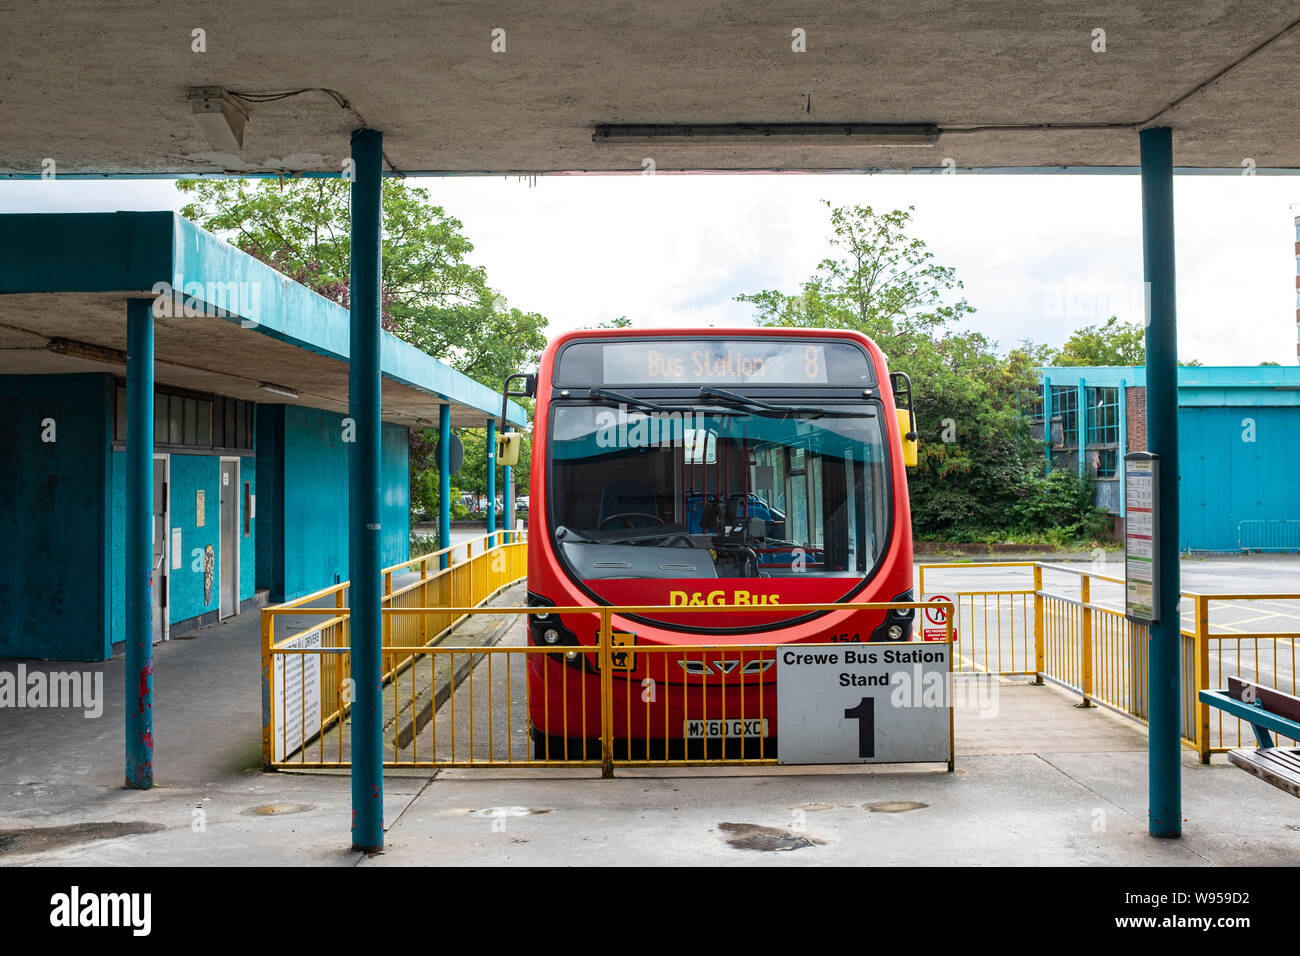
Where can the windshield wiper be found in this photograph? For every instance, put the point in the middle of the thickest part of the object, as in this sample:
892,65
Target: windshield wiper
611,397
608,396
759,406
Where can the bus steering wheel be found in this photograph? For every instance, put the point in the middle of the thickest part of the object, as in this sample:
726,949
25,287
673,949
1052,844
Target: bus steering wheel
625,515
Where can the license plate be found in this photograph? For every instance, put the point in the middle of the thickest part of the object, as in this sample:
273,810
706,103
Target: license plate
731,727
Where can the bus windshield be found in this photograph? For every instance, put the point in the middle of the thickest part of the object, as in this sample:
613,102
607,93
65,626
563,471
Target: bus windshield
736,489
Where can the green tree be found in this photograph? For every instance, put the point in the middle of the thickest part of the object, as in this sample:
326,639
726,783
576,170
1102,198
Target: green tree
432,295
976,459
1111,343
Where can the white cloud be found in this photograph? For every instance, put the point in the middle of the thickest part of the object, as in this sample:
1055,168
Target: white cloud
1039,255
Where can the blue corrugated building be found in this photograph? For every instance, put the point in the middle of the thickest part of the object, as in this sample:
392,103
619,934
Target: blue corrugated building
250,430
1239,441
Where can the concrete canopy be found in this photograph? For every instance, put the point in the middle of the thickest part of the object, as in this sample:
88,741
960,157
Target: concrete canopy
237,326
101,88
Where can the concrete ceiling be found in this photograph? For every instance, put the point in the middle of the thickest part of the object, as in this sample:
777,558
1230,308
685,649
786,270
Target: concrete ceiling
101,88
206,354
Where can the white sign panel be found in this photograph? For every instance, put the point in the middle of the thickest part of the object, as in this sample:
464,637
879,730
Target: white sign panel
176,549
297,696
868,703
1140,524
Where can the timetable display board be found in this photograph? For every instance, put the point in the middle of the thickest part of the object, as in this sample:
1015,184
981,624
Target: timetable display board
1141,524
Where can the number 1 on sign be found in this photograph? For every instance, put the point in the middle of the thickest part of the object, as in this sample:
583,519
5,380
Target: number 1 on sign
865,715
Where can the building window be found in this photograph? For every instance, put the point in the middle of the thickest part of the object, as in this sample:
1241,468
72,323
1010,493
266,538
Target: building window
1065,408
1102,422
1107,462
186,420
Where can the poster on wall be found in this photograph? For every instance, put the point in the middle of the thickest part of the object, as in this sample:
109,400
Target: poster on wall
199,510
297,696
209,566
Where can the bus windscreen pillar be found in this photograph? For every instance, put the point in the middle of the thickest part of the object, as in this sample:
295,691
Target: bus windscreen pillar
444,482
491,451
364,494
139,544
1165,818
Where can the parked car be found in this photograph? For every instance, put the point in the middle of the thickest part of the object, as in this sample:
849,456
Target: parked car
521,503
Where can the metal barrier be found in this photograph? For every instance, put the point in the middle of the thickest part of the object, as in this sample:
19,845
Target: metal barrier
441,703
1060,624
1082,641
305,674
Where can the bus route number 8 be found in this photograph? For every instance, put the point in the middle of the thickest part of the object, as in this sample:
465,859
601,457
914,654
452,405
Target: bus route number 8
810,362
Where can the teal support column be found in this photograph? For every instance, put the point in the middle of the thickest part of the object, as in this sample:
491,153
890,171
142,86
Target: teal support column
444,481
491,447
1047,424
139,544
1082,423
364,590
1165,798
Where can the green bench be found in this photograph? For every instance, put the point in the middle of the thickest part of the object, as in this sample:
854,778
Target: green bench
1265,709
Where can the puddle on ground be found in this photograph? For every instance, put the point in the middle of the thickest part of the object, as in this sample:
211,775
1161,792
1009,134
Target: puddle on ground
278,809
41,839
894,806
497,812
751,836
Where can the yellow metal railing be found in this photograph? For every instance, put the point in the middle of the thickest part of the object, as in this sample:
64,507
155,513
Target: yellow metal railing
1081,640
469,706
1054,623
305,672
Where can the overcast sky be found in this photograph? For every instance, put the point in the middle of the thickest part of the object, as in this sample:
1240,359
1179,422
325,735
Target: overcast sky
1039,255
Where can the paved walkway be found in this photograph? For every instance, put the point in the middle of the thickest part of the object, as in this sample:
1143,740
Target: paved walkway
1041,782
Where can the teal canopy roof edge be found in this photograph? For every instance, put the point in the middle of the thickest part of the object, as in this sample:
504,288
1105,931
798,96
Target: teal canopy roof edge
133,252
1197,385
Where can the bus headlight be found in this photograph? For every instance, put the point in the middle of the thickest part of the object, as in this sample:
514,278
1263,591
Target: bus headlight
550,635
895,632
571,655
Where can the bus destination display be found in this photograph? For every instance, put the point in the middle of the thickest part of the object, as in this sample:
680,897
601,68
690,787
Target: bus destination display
715,363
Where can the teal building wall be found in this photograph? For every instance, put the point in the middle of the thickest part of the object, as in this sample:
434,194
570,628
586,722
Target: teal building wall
54,502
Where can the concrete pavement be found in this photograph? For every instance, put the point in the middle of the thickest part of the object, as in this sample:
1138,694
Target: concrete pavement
1041,782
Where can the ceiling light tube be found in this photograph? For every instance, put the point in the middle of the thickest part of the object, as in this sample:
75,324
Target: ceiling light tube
86,350
785,134
278,389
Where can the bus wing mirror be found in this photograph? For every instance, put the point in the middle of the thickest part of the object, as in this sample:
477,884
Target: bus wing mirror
508,446
906,437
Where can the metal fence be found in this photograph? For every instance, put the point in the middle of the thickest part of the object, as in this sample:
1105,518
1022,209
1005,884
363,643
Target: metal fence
1074,627
306,659
469,706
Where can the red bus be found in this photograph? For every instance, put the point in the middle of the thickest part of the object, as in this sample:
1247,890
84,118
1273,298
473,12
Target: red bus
688,468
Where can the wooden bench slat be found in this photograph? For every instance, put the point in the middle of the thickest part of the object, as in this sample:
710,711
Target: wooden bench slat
1279,766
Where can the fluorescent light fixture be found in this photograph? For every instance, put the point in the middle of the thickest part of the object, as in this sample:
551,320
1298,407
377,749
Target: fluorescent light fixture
86,350
278,389
220,116
782,134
